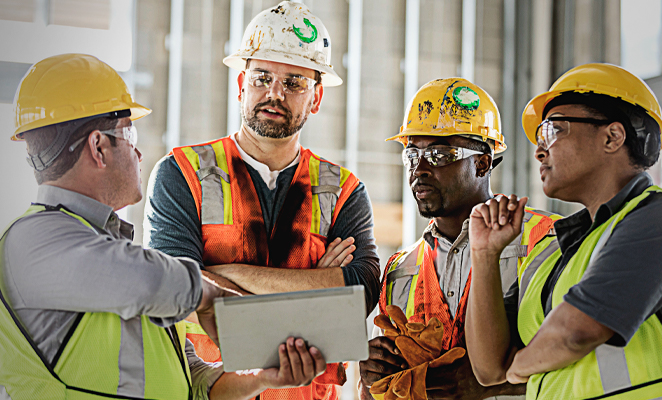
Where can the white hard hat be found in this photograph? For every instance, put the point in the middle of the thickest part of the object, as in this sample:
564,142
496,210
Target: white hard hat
289,34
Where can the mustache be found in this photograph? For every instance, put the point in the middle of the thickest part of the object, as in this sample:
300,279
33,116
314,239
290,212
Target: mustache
275,104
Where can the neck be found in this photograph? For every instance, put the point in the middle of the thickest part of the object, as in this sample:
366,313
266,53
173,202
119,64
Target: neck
93,187
274,153
450,225
604,188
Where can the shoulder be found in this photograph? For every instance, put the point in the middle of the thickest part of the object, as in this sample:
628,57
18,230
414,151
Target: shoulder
43,228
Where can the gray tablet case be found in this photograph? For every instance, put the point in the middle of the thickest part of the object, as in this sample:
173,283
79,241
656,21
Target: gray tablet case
251,328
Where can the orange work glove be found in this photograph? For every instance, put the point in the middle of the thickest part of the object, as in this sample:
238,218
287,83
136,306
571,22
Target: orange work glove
421,346
417,342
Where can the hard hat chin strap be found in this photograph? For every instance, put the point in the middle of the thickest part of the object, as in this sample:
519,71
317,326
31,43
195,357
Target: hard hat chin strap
45,158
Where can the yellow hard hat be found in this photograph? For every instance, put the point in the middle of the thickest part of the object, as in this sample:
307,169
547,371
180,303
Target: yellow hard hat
604,79
68,87
452,106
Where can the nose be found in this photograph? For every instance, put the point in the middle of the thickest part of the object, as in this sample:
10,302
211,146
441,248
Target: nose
541,153
422,169
140,155
276,90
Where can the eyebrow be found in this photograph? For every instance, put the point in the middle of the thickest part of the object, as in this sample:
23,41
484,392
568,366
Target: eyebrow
441,141
289,74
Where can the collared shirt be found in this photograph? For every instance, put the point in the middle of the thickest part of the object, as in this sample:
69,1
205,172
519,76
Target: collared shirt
55,268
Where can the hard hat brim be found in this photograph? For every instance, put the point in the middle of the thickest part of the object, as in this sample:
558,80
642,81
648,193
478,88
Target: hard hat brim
402,138
238,61
137,111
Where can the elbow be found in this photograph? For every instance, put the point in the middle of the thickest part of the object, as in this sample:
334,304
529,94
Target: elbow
491,377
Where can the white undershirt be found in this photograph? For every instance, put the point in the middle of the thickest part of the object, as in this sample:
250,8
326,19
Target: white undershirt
269,177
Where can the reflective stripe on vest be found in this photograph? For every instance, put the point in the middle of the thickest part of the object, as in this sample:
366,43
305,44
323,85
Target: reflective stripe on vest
103,356
425,299
316,195
630,372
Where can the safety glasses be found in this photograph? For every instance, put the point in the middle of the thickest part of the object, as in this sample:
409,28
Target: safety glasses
128,133
293,84
552,128
436,156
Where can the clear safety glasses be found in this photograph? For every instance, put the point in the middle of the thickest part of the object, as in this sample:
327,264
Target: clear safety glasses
128,133
293,84
552,128
436,156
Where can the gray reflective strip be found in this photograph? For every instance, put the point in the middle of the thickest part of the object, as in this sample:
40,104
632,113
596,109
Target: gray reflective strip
601,242
409,270
212,208
202,173
327,189
613,367
533,267
131,361
327,194
514,250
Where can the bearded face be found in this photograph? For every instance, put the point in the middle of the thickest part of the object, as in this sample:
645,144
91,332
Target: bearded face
272,119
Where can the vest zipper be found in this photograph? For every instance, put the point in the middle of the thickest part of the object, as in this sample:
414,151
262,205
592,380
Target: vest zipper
540,385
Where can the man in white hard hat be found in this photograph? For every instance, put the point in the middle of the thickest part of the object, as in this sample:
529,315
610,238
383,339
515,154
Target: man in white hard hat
84,313
257,208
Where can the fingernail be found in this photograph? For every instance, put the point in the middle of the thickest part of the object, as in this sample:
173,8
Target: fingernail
503,220
495,225
396,351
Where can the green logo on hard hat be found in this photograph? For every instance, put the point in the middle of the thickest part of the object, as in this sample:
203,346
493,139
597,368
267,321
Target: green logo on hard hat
466,98
306,39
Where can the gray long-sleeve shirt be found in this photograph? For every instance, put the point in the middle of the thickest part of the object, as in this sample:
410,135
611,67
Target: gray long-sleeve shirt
55,268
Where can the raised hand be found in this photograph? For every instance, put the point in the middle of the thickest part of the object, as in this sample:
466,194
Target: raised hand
338,253
495,224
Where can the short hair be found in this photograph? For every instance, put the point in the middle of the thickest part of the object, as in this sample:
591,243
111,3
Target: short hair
642,132
41,138
318,75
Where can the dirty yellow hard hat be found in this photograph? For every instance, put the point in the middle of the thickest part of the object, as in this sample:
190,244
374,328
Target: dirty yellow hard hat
452,106
598,78
69,87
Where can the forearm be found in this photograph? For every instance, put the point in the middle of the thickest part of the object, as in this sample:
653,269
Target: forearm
265,280
487,330
232,386
566,336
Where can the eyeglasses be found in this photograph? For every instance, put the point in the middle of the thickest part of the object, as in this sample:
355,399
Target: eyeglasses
436,156
550,129
293,84
128,133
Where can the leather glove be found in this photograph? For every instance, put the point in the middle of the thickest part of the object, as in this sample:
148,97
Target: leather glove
421,347
404,385
417,342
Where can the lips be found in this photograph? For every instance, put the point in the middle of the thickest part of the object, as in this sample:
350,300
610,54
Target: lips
422,191
543,170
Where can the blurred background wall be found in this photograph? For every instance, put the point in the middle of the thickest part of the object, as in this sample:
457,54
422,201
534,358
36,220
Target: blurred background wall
170,54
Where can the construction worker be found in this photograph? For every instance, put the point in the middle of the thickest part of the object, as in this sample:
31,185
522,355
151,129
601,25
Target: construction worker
586,299
257,208
86,314
451,132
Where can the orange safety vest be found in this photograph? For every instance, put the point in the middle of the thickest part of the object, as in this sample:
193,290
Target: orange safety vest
428,299
233,229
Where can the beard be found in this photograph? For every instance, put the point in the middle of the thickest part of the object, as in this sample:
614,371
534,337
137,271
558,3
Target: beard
427,211
274,129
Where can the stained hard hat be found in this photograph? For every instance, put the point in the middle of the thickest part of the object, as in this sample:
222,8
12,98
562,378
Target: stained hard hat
452,106
287,33
69,87
598,78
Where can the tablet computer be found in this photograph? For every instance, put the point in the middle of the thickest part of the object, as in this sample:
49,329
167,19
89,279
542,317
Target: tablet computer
251,328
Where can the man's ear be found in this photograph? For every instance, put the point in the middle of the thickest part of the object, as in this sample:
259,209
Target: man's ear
317,100
614,137
483,165
99,146
240,81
